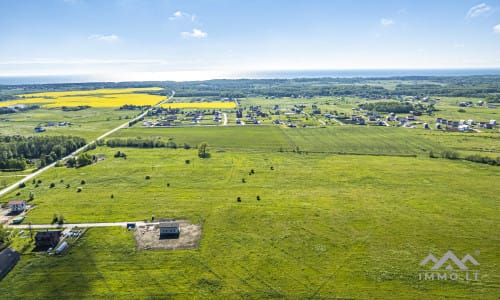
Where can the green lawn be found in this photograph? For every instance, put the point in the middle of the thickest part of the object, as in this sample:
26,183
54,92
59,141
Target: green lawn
327,226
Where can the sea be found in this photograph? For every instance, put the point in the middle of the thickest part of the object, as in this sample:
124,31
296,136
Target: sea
278,74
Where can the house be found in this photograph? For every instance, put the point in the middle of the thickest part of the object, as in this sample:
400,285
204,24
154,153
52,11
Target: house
17,206
47,238
169,230
8,259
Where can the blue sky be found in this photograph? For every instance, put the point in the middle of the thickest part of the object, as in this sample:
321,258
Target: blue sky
147,39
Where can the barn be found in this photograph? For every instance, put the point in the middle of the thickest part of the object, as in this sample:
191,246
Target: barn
169,230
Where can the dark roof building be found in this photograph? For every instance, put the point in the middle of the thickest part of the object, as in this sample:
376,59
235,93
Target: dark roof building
8,259
169,229
47,238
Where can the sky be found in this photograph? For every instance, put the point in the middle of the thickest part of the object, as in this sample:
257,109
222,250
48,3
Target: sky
158,39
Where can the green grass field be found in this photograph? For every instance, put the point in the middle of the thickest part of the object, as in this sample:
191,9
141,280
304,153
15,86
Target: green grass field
344,212
88,124
327,226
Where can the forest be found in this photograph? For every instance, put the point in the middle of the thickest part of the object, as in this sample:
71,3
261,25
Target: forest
481,86
17,152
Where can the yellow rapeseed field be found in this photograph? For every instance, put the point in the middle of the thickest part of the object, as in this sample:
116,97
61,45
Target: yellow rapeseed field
200,105
94,98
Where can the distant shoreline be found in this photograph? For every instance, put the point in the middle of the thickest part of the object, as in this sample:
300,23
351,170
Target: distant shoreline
209,75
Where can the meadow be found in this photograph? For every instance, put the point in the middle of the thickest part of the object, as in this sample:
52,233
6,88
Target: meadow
326,212
88,123
326,226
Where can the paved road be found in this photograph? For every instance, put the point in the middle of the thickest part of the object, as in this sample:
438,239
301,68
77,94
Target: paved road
40,171
225,119
81,225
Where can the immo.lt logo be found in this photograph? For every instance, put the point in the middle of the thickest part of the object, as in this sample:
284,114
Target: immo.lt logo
449,267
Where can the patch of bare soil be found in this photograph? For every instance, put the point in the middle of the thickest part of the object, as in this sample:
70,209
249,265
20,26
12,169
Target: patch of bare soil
147,237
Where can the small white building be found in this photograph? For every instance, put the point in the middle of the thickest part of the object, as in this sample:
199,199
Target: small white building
17,206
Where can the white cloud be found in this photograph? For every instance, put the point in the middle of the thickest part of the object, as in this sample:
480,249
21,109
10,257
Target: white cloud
181,15
194,34
387,22
104,37
478,10
496,28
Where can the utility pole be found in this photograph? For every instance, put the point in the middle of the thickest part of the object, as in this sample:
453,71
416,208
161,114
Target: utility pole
31,232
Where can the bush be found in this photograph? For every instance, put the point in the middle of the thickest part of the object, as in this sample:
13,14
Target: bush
22,184
78,190
238,199
449,155
148,177
484,160
83,182
52,185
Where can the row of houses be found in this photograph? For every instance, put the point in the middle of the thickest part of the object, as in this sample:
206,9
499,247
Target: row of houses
463,124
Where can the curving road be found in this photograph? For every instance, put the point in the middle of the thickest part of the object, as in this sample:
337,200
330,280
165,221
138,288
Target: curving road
40,171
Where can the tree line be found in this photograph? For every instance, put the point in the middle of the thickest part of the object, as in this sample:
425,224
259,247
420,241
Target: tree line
17,152
143,143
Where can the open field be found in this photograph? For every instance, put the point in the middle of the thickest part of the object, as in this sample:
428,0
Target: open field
88,123
94,98
253,138
200,105
371,140
325,211
326,226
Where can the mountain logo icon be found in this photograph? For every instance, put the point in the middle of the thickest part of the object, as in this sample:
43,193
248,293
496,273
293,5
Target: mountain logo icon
450,259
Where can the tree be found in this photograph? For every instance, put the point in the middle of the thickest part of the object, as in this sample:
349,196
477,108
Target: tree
203,151
3,234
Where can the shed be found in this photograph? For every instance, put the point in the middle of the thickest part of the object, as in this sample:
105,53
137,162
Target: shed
17,206
47,238
169,229
8,259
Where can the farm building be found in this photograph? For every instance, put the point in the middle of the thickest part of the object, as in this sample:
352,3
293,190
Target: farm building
17,206
47,238
169,230
8,259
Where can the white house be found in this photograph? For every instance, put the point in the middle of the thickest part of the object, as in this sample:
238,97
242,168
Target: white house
17,206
